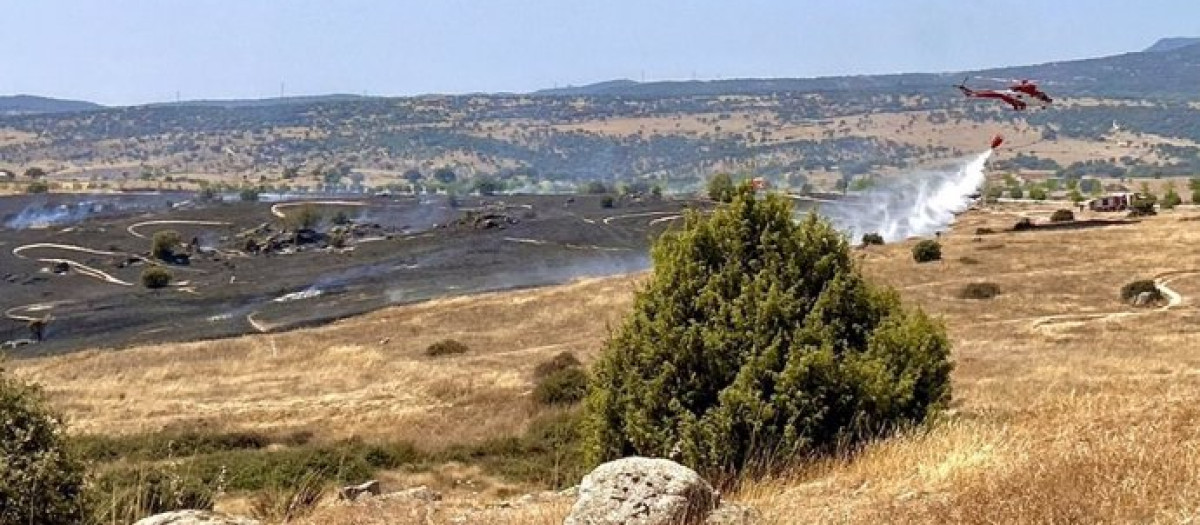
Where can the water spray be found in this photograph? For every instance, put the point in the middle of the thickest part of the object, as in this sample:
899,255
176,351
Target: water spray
917,204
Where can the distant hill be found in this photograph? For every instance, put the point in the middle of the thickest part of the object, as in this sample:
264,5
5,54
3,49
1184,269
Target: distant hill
1167,70
261,102
29,104
1171,44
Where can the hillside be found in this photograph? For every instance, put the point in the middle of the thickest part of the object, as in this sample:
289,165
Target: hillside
28,104
1168,69
1070,406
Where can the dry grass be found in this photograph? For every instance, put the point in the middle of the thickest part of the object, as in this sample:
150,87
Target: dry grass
1069,405
368,376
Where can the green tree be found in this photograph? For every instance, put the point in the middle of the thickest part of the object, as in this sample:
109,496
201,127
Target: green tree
35,173
413,176
41,481
37,187
1037,193
757,338
1075,196
1016,192
720,187
1196,196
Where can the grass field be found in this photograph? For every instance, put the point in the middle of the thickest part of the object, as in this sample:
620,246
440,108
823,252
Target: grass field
1070,406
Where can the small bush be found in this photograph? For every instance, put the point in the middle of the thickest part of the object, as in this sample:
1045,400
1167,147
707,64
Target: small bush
1062,215
927,250
164,244
872,238
606,202
979,291
984,231
155,277
37,187
446,347
340,218
563,387
1130,291
249,195
1025,223
559,362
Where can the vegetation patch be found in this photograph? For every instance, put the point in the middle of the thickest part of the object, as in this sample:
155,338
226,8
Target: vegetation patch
562,361
872,238
980,290
446,347
155,277
927,250
1131,291
1062,215
562,387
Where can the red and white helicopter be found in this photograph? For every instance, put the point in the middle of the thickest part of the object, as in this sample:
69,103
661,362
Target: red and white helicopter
1019,95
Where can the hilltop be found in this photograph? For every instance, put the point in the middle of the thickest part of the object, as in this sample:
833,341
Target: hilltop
27,104
1168,69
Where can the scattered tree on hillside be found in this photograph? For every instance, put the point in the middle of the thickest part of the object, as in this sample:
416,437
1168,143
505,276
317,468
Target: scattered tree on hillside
35,173
758,339
445,175
1171,198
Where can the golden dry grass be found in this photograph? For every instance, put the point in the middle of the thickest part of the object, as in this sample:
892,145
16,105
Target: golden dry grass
1070,407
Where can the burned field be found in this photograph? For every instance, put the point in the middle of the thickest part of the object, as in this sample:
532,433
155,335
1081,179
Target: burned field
255,266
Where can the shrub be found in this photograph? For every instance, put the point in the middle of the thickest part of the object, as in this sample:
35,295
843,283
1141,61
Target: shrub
1037,193
155,277
561,361
757,339
606,202
125,496
984,231
872,238
446,347
282,505
927,250
307,218
562,387
1062,215
720,187
249,195
37,187
1130,291
41,481
1024,223
979,291
164,244
340,218
1143,205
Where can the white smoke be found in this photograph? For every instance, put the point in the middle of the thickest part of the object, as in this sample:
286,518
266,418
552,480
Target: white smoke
916,204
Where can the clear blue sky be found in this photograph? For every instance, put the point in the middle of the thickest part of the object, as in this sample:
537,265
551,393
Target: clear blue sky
138,51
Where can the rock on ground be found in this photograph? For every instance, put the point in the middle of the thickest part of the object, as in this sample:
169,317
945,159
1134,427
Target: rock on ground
642,491
195,517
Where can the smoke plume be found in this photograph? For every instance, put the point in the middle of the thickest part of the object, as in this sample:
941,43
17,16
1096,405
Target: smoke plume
917,204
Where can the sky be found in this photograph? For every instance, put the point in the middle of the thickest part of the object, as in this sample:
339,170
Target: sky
124,52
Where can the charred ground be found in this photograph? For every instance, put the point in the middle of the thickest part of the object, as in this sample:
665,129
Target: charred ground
392,250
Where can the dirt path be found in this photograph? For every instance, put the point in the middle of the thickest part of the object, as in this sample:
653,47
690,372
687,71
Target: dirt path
1174,300
277,209
79,267
608,220
132,229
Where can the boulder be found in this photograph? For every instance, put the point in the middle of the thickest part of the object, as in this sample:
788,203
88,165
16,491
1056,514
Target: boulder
642,491
353,492
195,517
